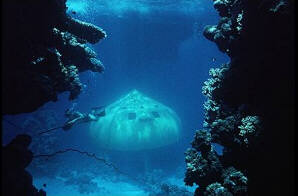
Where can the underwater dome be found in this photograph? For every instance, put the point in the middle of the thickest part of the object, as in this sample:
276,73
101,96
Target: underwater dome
136,122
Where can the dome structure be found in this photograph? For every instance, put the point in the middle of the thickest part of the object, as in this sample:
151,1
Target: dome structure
136,122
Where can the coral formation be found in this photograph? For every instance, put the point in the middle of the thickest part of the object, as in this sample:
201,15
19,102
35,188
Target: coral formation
249,127
83,182
43,50
15,158
216,189
43,55
170,190
155,183
249,107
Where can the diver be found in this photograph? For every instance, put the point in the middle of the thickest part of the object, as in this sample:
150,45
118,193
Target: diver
76,117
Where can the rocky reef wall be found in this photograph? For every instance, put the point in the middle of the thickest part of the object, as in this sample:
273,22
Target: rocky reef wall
15,158
43,50
250,103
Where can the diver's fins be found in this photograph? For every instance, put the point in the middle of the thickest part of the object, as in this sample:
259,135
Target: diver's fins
102,113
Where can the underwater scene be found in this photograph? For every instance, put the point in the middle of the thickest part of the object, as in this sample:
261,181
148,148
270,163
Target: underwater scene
147,97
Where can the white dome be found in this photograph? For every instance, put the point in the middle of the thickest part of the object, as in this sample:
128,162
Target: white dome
136,122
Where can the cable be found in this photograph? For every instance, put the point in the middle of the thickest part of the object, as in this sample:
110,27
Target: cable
11,123
141,181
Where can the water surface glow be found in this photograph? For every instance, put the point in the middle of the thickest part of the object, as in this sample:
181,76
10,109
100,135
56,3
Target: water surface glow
120,7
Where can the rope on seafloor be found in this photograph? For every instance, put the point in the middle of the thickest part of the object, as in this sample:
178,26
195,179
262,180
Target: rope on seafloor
66,150
92,155
79,151
69,149
11,123
49,130
39,133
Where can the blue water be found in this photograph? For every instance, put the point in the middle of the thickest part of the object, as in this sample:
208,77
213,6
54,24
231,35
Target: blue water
156,47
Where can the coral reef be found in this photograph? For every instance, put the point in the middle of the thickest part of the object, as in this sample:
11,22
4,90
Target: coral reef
250,103
43,51
165,189
202,168
156,183
83,182
15,158
216,189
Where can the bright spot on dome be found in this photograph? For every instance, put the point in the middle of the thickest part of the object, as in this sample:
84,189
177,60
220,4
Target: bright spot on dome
136,122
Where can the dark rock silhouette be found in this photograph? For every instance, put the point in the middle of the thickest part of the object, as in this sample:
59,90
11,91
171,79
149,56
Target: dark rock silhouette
43,50
250,103
15,158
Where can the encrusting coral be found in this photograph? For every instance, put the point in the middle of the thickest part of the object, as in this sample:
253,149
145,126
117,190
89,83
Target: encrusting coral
44,49
249,107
